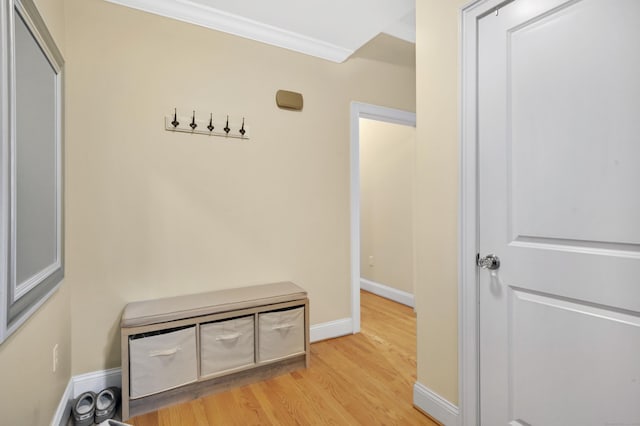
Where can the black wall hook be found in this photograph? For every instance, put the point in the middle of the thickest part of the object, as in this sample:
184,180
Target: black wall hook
175,121
226,127
200,126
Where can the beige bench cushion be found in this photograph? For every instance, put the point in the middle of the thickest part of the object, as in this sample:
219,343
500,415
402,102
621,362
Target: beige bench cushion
174,308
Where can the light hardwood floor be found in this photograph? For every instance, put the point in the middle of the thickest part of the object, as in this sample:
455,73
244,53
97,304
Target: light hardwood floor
361,379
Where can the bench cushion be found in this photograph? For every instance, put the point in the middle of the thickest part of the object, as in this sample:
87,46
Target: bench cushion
180,307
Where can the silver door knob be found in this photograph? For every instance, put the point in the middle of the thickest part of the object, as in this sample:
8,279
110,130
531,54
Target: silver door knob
490,261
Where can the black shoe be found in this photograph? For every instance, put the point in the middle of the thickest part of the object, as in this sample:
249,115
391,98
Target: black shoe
83,409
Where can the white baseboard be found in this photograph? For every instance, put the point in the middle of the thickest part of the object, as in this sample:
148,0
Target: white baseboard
64,406
434,405
94,381
331,329
388,292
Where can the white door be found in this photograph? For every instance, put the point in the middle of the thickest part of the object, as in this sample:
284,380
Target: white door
559,191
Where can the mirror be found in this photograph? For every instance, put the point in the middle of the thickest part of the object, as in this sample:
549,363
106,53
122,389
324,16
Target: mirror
32,216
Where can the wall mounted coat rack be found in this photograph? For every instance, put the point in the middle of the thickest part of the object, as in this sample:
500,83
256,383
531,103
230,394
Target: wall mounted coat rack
207,124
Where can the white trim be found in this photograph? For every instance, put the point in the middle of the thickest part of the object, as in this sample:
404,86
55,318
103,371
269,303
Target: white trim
380,113
209,17
372,112
435,406
331,329
4,167
32,310
354,178
64,406
20,289
96,381
468,312
388,292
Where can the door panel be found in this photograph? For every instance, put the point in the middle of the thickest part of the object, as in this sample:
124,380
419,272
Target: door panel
565,353
559,191
573,115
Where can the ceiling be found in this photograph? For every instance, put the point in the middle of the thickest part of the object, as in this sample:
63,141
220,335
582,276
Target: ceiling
328,29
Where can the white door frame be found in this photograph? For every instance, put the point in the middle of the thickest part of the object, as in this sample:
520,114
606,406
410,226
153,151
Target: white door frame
468,312
372,112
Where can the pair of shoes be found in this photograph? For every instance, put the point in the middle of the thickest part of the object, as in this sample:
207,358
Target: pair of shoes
89,407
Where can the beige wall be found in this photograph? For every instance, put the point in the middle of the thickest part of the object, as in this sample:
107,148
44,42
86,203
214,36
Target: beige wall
156,214
437,194
387,159
29,390
152,214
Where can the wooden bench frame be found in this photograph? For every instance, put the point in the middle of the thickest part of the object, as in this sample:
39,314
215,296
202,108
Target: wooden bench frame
217,382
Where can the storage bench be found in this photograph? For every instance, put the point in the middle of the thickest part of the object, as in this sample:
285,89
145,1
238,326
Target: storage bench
181,348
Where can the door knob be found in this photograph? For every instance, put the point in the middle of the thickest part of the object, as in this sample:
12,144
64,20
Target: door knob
490,261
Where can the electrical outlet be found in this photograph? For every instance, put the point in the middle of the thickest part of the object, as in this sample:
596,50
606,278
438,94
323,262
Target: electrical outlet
55,357
370,260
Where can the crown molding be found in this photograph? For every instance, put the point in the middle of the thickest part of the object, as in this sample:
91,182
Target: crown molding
197,14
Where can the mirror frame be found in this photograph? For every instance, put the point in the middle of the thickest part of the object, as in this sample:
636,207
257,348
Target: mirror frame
18,301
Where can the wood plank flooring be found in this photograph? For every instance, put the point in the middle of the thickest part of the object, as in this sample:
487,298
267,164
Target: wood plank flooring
361,379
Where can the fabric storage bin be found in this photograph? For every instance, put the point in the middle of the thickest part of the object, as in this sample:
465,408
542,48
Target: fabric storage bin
162,361
281,333
226,345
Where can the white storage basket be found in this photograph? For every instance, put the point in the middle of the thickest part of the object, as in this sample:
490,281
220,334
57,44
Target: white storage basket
281,335
162,361
226,345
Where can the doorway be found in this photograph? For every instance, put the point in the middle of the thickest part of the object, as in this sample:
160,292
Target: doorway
387,175
381,114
